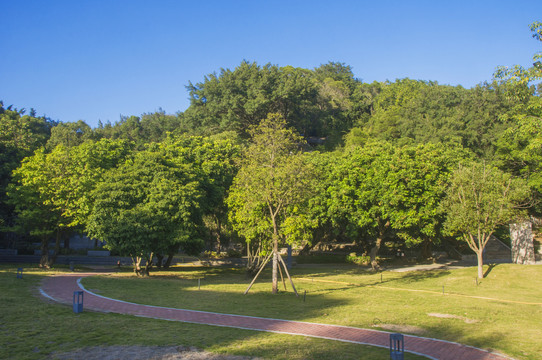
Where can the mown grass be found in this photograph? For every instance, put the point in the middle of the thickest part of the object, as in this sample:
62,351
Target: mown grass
33,328
490,314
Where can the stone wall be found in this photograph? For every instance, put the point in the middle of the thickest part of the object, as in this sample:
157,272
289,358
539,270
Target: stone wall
521,236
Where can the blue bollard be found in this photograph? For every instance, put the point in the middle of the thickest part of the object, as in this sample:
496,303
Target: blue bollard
78,301
19,273
397,347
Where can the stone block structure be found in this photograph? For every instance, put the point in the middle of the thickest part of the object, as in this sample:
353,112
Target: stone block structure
521,236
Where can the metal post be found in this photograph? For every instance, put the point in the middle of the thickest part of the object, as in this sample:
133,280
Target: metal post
397,347
78,301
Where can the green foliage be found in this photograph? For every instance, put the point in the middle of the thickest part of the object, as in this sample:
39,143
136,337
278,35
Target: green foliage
380,189
409,112
30,193
358,259
148,205
479,199
216,159
20,136
316,103
69,134
268,194
520,147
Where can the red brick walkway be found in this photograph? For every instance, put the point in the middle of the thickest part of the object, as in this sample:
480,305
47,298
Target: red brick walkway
61,288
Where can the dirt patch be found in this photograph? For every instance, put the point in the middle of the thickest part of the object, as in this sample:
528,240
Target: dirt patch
144,353
410,329
450,316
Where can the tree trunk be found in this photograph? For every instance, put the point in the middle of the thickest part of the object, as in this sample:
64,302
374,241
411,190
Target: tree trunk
148,264
167,264
136,260
52,260
218,235
159,260
374,252
44,261
480,257
426,249
275,265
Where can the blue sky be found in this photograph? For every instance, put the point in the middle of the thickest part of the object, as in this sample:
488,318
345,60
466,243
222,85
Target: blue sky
96,60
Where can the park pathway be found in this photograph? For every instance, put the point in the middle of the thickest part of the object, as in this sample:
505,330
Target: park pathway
60,288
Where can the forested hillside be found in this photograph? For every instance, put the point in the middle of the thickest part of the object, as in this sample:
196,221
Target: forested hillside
375,161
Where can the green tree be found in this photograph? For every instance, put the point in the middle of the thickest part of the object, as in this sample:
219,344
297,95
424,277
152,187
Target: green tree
409,112
20,136
69,134
380,190
479,199
29,193
269,192
51,191
217,162
146,206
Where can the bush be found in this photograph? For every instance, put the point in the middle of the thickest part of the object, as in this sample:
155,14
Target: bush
232,253
212,255
358,259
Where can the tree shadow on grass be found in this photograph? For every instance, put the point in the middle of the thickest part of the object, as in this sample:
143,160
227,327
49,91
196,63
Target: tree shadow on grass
492,342
489,268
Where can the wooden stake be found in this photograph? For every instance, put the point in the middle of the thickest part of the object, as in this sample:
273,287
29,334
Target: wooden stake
289,277
282,277
255,277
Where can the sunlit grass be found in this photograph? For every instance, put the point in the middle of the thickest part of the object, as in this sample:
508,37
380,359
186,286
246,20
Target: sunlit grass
445,304
32,328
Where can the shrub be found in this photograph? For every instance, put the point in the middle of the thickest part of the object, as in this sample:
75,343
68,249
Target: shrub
358,259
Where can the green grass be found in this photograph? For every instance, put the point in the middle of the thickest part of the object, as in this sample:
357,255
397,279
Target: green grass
347,295
31,328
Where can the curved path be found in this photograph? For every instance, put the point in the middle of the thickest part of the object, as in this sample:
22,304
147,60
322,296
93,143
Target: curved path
60,288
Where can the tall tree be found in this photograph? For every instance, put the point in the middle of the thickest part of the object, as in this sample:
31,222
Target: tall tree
235,100
479,199
146,206
30,193
268,193
380,189
20,135
217,162
51,191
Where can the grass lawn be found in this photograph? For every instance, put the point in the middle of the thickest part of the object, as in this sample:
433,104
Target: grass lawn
495,313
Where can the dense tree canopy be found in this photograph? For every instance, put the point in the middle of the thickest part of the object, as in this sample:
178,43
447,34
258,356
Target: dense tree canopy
20,136
380,190
148,205
273,155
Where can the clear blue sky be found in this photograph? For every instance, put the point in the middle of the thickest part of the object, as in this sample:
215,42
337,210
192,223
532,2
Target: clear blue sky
91,60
